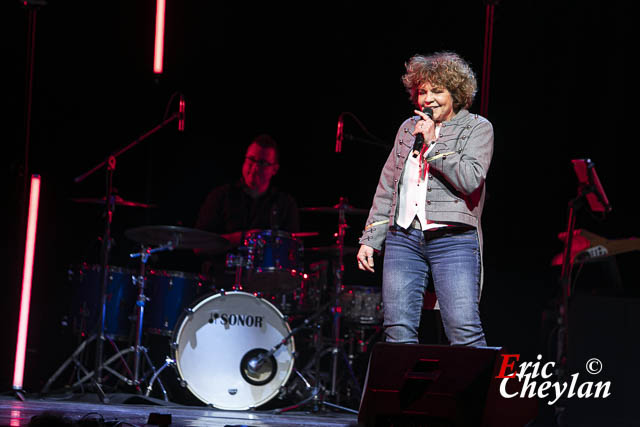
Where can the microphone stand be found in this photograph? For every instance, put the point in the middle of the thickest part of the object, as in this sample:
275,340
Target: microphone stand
562,354
141,138
588,184
255,364
341,135
110,165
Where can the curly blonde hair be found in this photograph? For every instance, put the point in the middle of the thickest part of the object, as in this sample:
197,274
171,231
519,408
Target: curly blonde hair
443,69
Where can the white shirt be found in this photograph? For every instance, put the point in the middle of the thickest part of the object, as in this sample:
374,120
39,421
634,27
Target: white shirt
413,193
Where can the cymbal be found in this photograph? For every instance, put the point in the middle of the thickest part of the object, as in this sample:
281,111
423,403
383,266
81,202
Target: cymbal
305,234
119,201
180,237
333,250
336,209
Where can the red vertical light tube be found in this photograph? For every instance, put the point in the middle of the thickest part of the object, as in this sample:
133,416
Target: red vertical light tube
27,275
158,52
181,108
486,65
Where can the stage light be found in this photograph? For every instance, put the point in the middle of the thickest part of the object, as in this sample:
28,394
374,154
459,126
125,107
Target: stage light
16,418
27,275
158,52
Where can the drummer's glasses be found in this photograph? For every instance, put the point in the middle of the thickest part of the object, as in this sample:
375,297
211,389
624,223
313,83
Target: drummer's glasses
261,163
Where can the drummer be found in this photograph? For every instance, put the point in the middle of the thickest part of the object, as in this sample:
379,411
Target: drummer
251,203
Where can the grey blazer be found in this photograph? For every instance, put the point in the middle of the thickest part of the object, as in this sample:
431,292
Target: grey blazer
458,168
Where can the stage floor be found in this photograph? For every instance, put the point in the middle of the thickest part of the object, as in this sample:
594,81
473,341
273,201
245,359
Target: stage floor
14,412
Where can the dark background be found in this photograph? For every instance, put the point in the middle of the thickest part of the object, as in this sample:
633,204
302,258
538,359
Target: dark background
561,88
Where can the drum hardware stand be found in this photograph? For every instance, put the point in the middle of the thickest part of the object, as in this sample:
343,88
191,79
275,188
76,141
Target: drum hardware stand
239,262
357,334
89,375
136,349
315,392
335,353
104,265
313,397
336,342
338,275
78,364
144,254
254,364
110,165
167,362
589,185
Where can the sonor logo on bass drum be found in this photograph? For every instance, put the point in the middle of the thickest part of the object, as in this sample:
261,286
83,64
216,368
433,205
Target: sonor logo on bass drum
232,319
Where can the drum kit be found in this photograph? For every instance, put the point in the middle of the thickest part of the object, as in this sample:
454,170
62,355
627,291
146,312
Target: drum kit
235,348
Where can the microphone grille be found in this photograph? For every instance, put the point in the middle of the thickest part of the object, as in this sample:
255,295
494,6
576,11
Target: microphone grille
428,111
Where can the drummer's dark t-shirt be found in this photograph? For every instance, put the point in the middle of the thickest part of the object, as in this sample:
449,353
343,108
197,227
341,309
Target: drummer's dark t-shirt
230,208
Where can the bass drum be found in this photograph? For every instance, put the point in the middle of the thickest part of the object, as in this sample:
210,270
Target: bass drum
217,343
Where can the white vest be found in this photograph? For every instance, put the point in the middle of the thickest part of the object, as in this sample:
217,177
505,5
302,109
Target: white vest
413,193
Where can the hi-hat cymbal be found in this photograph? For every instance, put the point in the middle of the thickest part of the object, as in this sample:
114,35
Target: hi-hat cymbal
119,201
333,250
305,234
340,207
180,237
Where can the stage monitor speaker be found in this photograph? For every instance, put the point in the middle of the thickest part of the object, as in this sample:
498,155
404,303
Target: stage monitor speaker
605,328
425,385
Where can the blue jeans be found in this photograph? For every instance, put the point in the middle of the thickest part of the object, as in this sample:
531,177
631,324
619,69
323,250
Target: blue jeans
452,258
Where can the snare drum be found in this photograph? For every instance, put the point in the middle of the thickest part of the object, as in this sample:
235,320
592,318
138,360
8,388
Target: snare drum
362,305
169,293
86,287
216,340
272,260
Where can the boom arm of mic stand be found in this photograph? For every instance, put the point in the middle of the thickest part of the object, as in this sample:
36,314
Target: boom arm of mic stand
263,356
132,144
381,144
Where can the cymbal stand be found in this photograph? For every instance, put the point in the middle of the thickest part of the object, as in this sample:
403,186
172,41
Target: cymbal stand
110,165
99,336
336,342
104,280
338,274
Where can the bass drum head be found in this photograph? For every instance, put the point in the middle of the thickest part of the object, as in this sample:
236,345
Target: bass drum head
215,340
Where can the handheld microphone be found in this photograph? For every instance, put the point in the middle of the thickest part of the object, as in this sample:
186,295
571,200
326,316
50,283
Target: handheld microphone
181,114
419,142
339,134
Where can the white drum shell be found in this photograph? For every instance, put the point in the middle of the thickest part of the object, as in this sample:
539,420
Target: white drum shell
213,337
